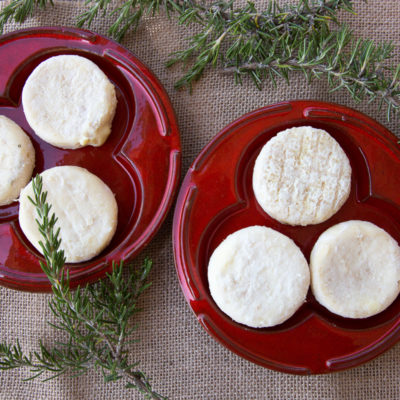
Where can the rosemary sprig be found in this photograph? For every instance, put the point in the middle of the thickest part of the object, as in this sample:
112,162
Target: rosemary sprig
127,15
276,42
356,65
244,35
20,10
95,318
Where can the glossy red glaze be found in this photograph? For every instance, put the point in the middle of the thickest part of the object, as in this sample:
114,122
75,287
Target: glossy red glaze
217,199
140,160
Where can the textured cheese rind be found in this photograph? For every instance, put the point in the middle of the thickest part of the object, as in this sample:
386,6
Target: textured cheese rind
302,176
17,160
258,277
84,205
355,269
69,102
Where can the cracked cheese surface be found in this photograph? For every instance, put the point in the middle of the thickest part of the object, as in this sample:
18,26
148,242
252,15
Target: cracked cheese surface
355,269
258,277
17,160
301,176
69,102
84,205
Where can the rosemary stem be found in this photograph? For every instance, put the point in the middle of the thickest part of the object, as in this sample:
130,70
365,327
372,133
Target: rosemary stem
324,8
119,346
136,377
345,77
90,324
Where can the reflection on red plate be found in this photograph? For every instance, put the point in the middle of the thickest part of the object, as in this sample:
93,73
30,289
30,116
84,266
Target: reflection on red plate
217,199
140,160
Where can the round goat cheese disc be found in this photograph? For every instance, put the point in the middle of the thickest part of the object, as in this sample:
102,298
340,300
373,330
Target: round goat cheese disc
302,176
258,276
84,205
355,269
17,160
69,102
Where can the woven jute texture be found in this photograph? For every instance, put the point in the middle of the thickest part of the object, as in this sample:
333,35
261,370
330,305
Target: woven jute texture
182,359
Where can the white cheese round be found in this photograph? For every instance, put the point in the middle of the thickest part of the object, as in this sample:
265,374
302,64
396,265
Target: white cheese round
69,102
84,205
355,269
302,176
258,277
17,160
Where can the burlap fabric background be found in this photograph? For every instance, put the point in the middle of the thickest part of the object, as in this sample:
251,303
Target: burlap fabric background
183,361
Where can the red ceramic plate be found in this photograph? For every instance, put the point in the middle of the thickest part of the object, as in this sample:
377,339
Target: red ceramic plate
140,161
217,199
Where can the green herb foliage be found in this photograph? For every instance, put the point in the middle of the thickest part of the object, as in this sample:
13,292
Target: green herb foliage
96,319
20,10
264,45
